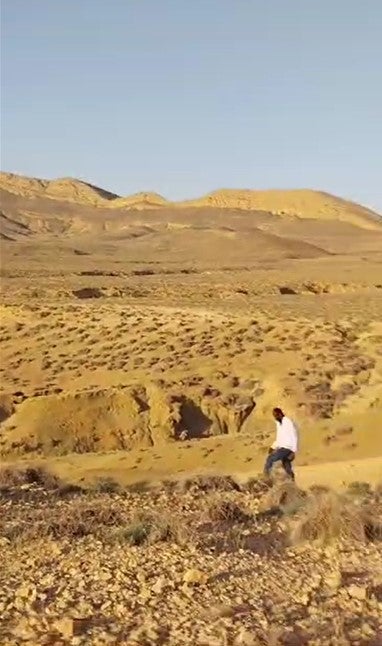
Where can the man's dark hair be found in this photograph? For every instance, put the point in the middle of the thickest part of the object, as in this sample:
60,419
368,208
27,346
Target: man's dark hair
278,411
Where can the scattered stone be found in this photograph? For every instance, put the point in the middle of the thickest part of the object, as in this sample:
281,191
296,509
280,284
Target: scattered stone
195,577
220,610
65,627
245,638
159,585
357,592
332,580
92,591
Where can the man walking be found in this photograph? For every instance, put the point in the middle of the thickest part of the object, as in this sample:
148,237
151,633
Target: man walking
285,446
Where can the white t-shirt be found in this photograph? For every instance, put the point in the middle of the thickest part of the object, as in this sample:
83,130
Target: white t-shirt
286,435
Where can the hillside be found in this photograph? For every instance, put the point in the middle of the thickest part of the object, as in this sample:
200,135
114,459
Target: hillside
296,203
66,189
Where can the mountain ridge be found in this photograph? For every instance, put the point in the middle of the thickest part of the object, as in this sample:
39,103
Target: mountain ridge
292,203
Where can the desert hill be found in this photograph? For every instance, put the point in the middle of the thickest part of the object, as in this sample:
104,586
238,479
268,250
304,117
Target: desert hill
181,235
140,201
66,188
309,204
294,203
235,227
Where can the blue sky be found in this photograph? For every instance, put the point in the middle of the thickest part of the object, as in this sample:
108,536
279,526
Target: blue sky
186,96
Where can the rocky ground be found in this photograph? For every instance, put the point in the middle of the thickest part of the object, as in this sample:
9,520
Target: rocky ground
202,563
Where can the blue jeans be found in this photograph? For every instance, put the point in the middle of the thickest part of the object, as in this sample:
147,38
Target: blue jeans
285,456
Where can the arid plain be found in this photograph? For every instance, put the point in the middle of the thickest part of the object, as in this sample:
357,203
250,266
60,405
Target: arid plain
144,341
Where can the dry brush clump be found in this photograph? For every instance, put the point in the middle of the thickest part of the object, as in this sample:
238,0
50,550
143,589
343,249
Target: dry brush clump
324,515
218,509
329,516
107,485
257,486
155,527
14,476
209,484
285,496
359,489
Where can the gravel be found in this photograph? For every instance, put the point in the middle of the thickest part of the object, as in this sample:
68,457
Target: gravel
91,590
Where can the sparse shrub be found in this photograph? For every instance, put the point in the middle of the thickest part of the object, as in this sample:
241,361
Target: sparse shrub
218,509
372,519
319,489
151,527
257,486
233,539
169,486
88,292
85,517
210,484
284,495
42,477
65,519
359,489
328,516
139,487
137,533
69,489
13,476
107,485
103,517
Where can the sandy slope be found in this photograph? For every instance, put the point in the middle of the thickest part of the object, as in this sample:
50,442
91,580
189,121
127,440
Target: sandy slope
153,341
340,474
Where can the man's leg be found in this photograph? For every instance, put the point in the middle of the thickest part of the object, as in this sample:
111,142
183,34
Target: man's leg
271,459
286,460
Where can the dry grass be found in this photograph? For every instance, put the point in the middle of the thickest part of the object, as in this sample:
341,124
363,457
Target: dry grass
323,515
318,489
329,516
13,476
209,484
154,527
72,520
359,489
105,517
284,495
107,485
219,509
257,486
